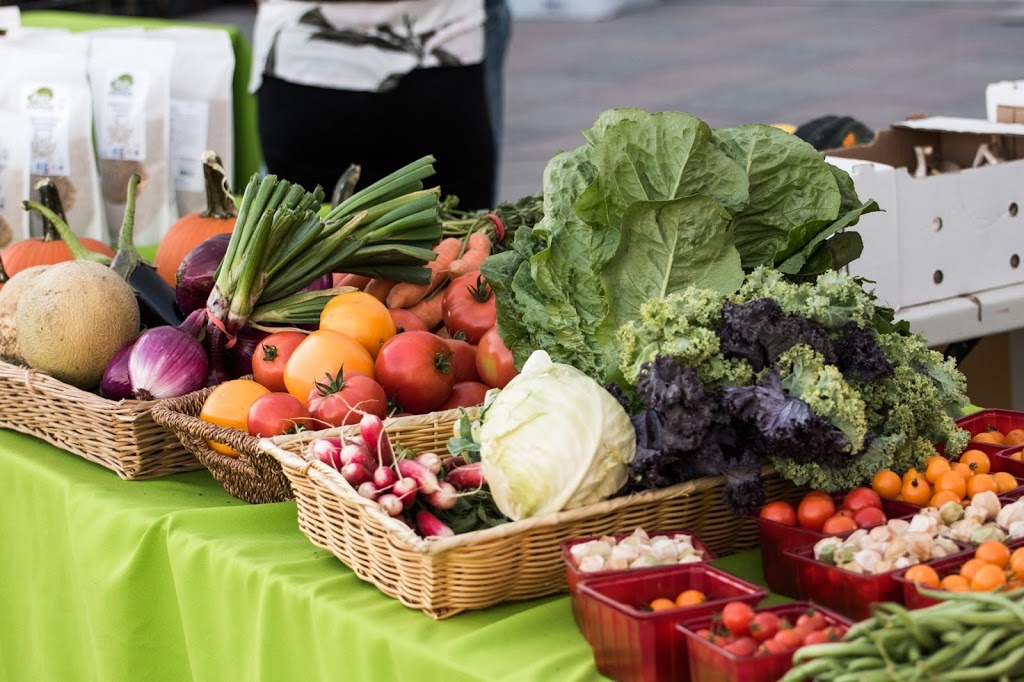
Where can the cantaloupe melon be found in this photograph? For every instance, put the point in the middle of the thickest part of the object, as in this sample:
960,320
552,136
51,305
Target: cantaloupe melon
72,319
9,295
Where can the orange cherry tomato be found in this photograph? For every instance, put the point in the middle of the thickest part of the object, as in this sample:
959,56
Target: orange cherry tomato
690,598
988,578
887,484
964,469
977,460
661,604
993,436
361,317
955,583
981,483
952,481
1014,437
1016,564
935,467
992,552
838,524
971,567
942,497
916,490
1004,482
922,574
228,405
321,353
911,473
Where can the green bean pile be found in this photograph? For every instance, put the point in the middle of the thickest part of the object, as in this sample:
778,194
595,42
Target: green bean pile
969,636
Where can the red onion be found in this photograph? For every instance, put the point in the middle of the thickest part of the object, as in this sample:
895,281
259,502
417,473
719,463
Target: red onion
194,279
318,284
241,353
166,362
116,384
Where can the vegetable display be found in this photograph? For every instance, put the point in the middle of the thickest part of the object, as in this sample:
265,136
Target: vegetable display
652,204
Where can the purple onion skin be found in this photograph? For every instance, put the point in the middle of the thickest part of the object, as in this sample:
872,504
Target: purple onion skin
318,284
116,384
243,350
194,279
166,362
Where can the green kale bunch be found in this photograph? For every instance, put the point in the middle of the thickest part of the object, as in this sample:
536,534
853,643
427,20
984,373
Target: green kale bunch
811,378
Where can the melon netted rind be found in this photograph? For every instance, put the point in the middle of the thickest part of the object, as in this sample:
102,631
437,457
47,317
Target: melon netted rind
73,318
9,296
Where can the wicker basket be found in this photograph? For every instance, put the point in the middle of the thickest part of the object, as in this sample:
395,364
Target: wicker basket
255,476
518,560
119,435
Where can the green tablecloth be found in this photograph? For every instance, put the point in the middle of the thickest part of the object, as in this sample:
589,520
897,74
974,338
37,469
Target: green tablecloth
247,144
173,579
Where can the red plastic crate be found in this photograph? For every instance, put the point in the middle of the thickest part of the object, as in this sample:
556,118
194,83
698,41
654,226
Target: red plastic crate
711,663
1003,420
573,575
912,598
1002,461
848,593
633,644
775,538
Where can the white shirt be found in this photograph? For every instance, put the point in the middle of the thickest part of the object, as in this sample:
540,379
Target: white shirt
364,46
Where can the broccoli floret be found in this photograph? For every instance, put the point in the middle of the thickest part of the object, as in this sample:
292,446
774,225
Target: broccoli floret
806,375
759,332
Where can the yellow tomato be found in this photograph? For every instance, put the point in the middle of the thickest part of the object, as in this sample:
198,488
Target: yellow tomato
228,405
321,353
359,316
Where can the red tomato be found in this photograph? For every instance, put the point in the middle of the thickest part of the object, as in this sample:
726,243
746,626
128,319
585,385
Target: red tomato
859,498
789,639
465,394
779,512
406,321
270,357
494,362
817,493
838,524
469,306
764,626
869,516
416,370
812,620
816,637
344,401
737,616
744,646
814,510
275,414
844,512
465,360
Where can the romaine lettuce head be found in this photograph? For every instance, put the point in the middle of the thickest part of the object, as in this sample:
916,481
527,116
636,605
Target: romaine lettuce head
554,439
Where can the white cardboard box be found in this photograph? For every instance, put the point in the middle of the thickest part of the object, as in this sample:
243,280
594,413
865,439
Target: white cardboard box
1004,101
944,235
572,10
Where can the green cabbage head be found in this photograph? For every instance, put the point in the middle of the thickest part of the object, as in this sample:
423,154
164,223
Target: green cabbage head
554,439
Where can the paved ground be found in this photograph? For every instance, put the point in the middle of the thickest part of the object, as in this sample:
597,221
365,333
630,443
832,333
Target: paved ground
732,62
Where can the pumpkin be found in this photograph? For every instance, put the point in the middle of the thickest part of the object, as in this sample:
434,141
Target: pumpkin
49,248
195,228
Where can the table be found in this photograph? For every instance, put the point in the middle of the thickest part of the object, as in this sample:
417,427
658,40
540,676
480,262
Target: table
173,579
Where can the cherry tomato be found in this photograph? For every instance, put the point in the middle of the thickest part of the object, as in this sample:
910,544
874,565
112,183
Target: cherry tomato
276,413
343,398
858,498
816,637
270,357
465,360
812,619
228,405
323,352
737,616
869,516
465,394
361,317
789,639
764,626
494,362
416,370
406,321
744,646
814,510
838,524
779,512
469,306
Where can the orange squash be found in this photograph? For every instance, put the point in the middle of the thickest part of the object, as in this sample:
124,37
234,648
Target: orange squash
195,228
49,248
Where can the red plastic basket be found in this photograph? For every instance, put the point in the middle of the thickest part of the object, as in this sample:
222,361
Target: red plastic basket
574,575
711,663
630,643
984,420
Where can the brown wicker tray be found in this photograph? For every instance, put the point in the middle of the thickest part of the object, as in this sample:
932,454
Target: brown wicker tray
519,560
119,435
255,476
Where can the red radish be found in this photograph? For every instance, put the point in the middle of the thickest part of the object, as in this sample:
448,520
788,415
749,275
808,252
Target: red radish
449,463
444,498
356,474
391,504
371,428
431,461
467,477
384,477
324,449
368,490
357,453
425,479
405,489
430,526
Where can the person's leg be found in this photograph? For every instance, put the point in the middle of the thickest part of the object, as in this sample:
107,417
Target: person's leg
497,32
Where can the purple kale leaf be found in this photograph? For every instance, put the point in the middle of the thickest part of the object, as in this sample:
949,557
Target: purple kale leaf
759,331
858,355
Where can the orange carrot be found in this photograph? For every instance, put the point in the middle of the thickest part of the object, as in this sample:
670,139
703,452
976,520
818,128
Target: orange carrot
342,279
429,310
406,294
478,248
379,288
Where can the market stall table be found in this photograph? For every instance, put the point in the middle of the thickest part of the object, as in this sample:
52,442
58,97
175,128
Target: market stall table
173,579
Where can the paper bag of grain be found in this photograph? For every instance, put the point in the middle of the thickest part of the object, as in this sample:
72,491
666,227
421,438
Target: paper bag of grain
14,186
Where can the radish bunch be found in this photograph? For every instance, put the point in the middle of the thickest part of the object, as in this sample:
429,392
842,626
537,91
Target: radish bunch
411,488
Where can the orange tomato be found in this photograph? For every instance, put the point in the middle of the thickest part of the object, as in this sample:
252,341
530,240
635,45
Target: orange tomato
1016,563
992,436
922,575
981,483
992,552
910,473
955,583
887,484
1004,482
952,481
838,524
1014,437
988,578
690,598
228,405
661,603
1019,455
964,469
324,352
916,490
935,467
977,460
359,316
971,568
942,497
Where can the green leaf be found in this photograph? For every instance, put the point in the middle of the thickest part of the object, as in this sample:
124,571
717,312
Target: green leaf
791,191
667,246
